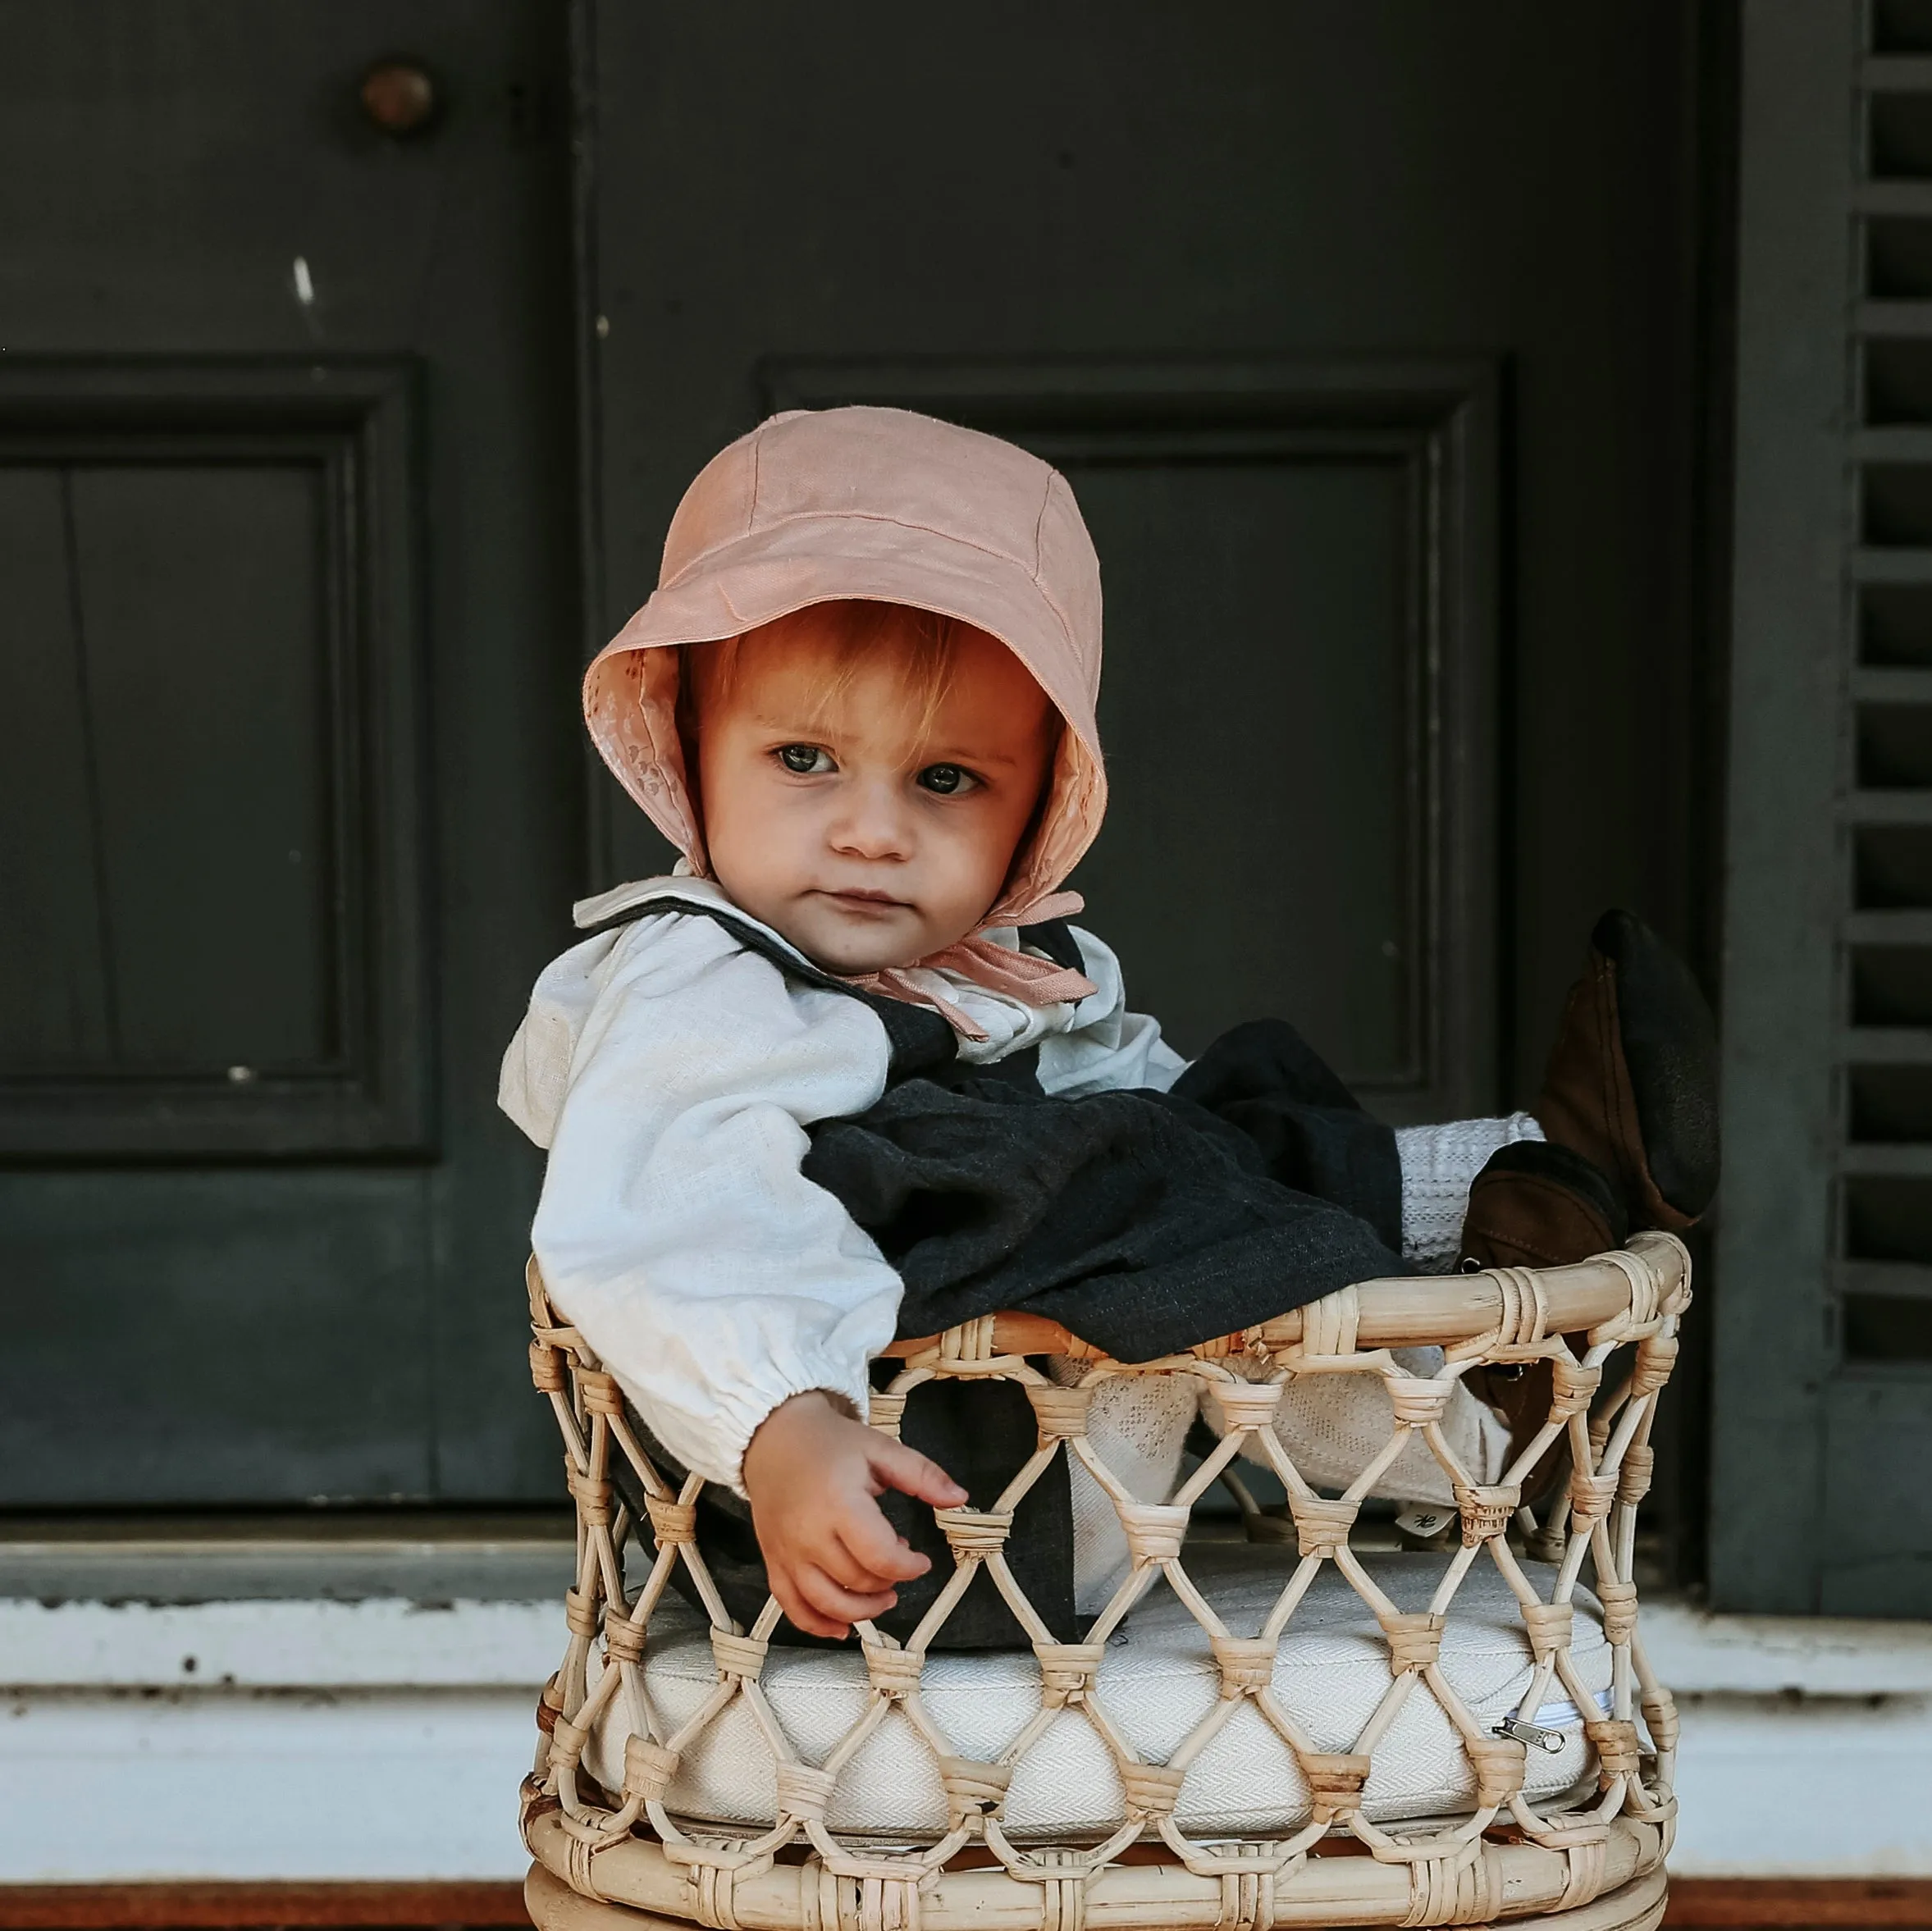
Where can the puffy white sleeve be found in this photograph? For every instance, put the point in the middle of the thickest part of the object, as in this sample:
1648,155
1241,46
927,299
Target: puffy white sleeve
1108,1046
675,1229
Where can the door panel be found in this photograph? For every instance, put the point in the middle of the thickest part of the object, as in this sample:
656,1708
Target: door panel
1244,507
226,697
190,1338
201,650
1324,727
1293,731
54,988
285,473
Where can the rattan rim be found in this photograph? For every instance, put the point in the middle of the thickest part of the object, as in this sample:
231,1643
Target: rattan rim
1512,1883
1426,1311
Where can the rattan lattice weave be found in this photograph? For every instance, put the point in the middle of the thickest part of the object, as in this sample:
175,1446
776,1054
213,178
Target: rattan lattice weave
1592,1861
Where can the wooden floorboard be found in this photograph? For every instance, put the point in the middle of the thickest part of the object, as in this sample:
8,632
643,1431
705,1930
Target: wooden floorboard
219,1907
1722,1904
1810,1904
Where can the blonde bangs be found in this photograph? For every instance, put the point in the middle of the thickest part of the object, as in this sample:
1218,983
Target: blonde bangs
924,643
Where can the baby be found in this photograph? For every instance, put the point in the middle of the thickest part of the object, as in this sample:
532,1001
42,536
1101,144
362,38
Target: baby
848,1073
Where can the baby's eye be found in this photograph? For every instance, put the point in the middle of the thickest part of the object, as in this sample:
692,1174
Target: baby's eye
946,779
808,760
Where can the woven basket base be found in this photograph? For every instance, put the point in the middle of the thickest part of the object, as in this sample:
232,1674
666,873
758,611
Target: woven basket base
1638,1906
553,1906
1635,1905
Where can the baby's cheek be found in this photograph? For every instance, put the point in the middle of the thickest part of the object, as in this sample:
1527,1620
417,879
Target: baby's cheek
975,870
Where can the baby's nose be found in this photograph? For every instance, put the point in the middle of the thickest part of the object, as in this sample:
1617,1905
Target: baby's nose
875,824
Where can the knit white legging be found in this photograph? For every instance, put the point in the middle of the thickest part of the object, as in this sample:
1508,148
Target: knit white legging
1330,1425
1438,1164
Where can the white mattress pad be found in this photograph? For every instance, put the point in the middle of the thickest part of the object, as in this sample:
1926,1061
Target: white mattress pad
1157,1680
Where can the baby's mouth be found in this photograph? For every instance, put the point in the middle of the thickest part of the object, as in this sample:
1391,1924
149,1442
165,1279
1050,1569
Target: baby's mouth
861,901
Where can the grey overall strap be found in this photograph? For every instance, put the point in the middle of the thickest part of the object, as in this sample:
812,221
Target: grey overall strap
920,1040
921,1045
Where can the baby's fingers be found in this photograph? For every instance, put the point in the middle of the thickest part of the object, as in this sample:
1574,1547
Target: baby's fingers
907,1470
871,1547
838,1605
788,1585
784,1580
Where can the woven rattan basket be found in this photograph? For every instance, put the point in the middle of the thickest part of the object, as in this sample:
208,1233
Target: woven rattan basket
678,1823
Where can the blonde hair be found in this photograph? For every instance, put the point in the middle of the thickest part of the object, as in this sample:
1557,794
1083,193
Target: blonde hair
925,642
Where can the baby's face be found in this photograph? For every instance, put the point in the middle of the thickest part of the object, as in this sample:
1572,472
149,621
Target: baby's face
867,827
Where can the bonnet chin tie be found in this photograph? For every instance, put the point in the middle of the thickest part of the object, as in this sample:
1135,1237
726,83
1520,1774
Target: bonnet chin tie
999,968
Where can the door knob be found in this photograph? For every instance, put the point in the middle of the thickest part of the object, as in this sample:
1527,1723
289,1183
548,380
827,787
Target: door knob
399,98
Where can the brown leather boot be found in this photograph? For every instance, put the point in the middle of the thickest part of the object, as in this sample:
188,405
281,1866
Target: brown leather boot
1632,1081
1629,1103
1536,1204
1541,1204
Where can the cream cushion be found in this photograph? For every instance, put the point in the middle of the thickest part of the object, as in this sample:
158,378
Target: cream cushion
1156,1683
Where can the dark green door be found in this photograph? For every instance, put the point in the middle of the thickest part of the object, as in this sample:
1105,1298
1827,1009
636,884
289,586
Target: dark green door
288,812
1367,334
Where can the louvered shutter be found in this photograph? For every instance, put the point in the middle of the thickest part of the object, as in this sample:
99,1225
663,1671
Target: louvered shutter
1823,1402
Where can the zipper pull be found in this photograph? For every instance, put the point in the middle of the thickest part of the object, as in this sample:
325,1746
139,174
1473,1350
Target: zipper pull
1529,1733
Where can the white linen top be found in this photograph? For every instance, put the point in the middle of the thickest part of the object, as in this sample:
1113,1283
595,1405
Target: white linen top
672,1074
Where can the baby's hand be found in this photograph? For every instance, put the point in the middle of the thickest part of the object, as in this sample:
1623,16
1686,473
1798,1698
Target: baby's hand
812,1473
